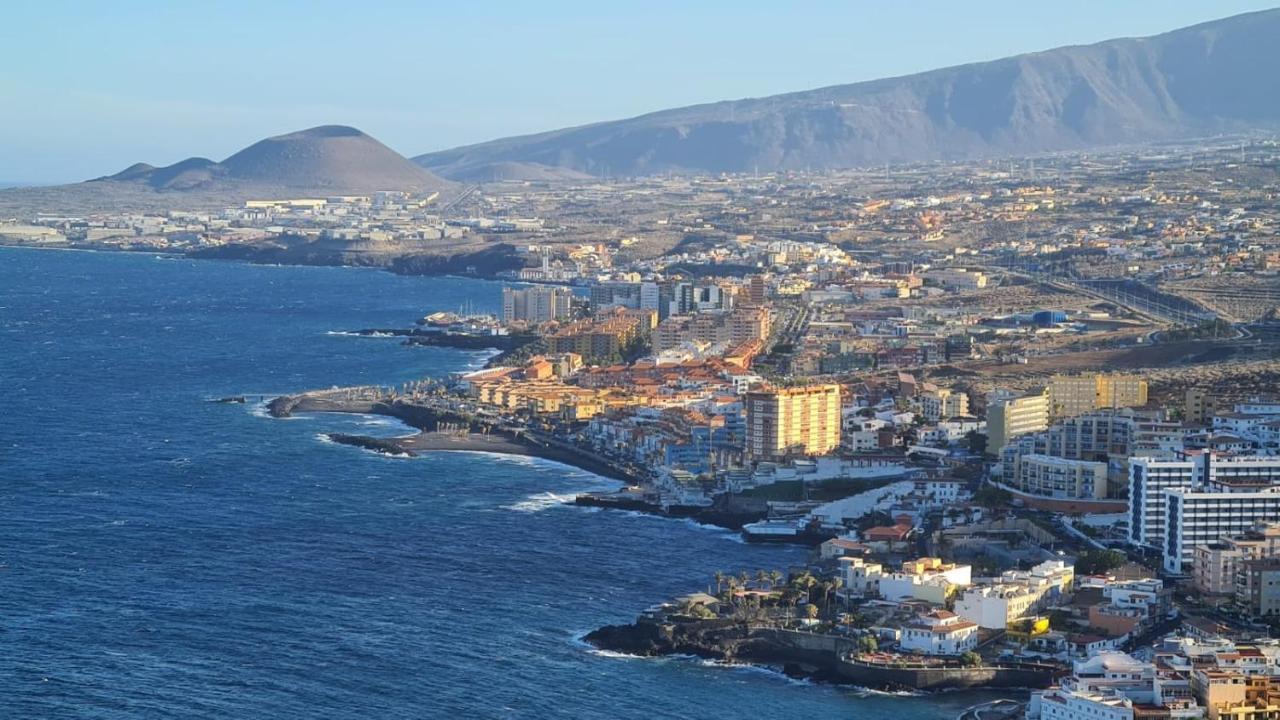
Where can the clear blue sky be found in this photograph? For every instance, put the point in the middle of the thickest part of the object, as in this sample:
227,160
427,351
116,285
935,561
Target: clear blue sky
87,88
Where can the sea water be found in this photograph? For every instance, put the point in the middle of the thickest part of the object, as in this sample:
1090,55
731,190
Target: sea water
165,556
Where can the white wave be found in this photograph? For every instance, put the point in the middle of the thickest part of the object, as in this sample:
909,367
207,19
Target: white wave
728,534
618,655
324,438
771,672
539,502
861,691
348,333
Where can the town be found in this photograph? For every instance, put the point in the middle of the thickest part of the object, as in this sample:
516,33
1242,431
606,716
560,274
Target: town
1025,414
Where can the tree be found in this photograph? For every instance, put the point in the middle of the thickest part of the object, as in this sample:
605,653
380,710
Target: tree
990,496
811,611
719,577
970,658
977,442
1097,562
868,644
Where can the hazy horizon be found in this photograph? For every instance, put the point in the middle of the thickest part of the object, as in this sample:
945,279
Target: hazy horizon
105,87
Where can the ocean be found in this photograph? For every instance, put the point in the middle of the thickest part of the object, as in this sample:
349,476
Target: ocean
165,556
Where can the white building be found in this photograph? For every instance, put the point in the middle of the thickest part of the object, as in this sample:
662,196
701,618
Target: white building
1175,505
995,606
1108,686
1200,517
940,632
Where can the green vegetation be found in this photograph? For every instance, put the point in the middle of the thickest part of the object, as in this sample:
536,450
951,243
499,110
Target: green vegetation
1217,328
977,442
1097,562
970,658
990,496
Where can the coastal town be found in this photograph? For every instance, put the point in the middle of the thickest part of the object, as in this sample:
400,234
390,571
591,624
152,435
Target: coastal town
1025,415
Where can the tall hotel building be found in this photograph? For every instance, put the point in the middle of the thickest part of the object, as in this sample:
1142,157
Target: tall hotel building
1175,505
793,421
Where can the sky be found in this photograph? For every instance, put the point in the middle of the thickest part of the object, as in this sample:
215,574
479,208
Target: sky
88,88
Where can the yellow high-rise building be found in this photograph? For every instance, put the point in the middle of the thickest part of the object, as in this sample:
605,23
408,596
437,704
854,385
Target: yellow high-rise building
793,421
1009,417
1072,395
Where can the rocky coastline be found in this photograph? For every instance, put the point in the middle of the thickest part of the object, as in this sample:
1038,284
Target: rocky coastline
443,431
799,654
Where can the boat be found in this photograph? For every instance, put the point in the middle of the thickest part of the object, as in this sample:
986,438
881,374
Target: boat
771,531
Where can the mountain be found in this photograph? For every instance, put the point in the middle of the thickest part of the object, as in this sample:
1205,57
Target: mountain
1210,78
329,158
511,171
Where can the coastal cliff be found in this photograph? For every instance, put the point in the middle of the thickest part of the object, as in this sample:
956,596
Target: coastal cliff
485,261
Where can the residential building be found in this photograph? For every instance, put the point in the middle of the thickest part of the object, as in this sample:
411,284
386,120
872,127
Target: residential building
535,305
943,403
1056,477
939,632
995,606
1232,695
1215,564
1196,517
793,421
1110,685
1175,505
1258,587
1071,395
604,338
1198,406
1011,417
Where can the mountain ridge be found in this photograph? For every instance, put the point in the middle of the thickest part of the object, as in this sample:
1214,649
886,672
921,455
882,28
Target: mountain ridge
1194,81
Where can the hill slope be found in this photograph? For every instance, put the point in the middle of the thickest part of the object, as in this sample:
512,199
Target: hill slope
1209,78
329,158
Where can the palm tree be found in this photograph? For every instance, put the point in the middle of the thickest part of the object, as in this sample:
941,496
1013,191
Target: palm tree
775,577
762,578
835,586
719,577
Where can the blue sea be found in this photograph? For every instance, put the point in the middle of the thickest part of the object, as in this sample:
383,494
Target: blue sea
162,556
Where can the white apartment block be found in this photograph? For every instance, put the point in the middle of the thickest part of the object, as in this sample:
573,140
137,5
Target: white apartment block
1220,492
1197,517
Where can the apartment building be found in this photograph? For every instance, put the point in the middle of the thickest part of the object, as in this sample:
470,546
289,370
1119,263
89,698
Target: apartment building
943,403
1071,395
1198,406
1199,516
731,328
1257,589
1011,417
1218,491
604,338
1056,477
1016,594
1215,564
793,421
536,304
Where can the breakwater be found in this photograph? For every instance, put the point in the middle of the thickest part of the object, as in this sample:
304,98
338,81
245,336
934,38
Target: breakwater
726,510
